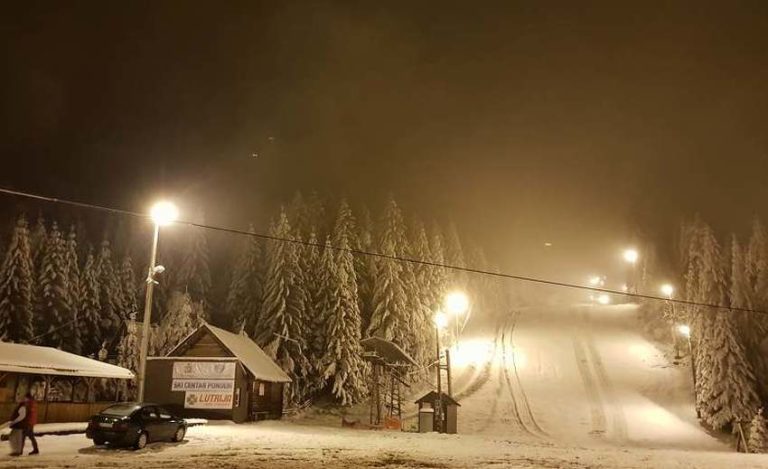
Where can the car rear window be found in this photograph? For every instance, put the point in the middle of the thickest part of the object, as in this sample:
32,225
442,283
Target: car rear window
120,409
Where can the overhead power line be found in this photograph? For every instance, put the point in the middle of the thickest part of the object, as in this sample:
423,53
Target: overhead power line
360,252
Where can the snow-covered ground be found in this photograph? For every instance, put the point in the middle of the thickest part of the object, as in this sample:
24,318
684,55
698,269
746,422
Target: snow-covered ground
280,445
568,387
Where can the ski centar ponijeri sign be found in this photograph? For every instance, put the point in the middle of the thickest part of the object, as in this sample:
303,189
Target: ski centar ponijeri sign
207,385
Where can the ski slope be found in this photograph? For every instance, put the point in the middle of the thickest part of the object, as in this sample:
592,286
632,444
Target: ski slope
580,374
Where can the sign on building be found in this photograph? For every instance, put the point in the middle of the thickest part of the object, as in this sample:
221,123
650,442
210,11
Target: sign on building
203,370
203,385
208,400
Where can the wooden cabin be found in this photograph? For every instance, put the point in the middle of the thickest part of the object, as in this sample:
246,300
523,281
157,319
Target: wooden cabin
215,374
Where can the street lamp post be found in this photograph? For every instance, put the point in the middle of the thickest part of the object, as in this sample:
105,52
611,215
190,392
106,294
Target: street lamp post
440,322
669,291
162,213
685,330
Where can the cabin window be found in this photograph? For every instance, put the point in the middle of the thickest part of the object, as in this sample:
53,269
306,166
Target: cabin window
262,389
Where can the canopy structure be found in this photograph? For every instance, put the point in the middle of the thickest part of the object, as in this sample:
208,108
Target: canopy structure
37,360
387,351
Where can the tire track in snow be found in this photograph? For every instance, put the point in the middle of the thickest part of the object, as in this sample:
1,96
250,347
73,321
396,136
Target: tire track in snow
596,410
618,419
504,373
526,402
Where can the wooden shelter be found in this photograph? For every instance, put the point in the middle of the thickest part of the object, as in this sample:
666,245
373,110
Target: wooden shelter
216,374
448,413
64,383
390,365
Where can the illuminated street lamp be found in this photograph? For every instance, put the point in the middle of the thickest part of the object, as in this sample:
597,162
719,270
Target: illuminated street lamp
631,256
667,290
457,303
604,299
162,214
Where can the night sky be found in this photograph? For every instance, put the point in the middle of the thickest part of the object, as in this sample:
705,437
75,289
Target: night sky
525,122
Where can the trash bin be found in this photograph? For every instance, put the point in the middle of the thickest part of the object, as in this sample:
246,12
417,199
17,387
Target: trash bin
426,420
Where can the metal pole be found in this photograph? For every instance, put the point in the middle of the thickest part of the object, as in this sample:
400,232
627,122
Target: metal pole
438,401
693,375
147,316
448,369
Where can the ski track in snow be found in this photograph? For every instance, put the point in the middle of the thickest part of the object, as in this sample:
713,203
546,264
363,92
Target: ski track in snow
525,419
618,419
597,412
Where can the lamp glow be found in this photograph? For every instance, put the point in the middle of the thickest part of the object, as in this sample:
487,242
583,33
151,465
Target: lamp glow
604,299
456,303
668,290
594,281
164,213
441,320
684,330
631,256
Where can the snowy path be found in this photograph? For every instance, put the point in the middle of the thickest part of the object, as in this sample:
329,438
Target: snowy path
580,375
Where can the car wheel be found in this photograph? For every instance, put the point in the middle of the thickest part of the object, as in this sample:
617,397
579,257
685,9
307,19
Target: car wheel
180,432
99,441
141,441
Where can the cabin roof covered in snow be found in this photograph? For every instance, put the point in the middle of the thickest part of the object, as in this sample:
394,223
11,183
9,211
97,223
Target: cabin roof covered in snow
34,359
253,358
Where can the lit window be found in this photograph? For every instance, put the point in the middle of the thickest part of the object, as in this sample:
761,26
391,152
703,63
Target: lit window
262,389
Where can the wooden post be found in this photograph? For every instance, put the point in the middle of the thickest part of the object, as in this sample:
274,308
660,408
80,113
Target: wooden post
741,440
47,380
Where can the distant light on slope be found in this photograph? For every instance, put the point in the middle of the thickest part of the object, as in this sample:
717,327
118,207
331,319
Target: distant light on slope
472,353
604,299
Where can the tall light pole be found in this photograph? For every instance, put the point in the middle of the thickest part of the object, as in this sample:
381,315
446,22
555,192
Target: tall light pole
162,213
631,256
441,320
685,330
669,291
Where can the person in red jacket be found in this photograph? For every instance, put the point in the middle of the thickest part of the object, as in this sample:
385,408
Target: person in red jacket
25,418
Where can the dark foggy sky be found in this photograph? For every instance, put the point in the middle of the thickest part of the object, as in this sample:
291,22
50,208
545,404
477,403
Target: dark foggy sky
524,122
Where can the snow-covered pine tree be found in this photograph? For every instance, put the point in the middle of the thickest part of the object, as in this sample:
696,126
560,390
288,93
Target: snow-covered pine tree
756,263
314,279
423,296
758,433
244,297
344,366
55,302
705,283
89,309
111,301
194,275
16,285
73,275
439,275
128,287
128,355
325,303
280,330
182,317
37,241
365,266
299,216
318,217
730,394
455,256
390,299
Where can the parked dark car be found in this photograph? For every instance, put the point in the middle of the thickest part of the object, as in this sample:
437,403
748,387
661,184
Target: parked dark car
132,424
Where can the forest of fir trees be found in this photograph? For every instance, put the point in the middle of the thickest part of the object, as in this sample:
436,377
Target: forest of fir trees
729,346
307,301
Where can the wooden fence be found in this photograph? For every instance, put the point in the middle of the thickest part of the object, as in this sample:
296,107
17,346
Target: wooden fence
57,412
